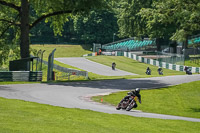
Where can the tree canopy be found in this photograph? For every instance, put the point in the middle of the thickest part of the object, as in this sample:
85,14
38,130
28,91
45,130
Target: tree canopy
23,15
170,19
164,19
130,22
178,18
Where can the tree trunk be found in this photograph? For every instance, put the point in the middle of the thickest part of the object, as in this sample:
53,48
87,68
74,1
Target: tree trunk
158,44
24,27
185,43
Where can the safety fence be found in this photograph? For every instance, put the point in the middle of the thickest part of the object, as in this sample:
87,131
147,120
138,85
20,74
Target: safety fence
160,63
21,76
91,54
113,53
68,74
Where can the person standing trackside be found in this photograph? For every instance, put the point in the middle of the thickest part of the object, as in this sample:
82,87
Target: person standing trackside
113,65
99,51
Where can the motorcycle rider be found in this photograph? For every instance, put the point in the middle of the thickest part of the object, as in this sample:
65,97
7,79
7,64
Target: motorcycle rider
148,71
160,71
135,92
187,70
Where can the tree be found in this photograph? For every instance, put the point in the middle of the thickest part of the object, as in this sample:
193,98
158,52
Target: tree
18,14
176,19
129,21
97,27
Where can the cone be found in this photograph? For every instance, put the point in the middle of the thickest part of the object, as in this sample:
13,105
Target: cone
101,99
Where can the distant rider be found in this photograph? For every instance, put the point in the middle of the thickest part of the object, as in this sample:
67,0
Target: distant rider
187,70
160,71
148,71
113,65
135,92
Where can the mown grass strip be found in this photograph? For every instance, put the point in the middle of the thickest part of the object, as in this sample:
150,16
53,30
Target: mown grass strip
18,116
180,100
133,66
64,50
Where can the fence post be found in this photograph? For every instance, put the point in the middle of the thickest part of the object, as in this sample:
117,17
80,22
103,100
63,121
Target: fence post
69,76
50,66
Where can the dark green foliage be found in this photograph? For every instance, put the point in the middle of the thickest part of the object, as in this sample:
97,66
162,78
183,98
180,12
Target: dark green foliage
23,15
97,27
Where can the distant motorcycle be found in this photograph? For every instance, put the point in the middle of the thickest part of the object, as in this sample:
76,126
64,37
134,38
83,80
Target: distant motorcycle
128,104
160,72
148,72
188,70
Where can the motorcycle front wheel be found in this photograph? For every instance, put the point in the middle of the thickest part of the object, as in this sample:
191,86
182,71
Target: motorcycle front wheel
130,106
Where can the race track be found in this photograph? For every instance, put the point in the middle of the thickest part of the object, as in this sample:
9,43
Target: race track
77,94
90,66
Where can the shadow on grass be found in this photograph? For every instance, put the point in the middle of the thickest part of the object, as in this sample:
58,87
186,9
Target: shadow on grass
87,47
195,109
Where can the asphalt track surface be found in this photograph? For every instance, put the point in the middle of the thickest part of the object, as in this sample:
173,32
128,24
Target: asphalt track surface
77,94
90,66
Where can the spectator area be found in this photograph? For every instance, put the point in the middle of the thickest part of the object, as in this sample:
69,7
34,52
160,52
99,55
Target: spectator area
194,40
129,44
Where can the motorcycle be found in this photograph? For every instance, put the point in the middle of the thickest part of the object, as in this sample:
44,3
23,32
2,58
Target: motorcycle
128,104
189,72
148,72
160,72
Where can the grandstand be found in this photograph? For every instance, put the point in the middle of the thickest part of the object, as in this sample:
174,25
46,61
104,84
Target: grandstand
193,40
130,44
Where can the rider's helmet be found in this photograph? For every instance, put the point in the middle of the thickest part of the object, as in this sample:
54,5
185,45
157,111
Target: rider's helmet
137,90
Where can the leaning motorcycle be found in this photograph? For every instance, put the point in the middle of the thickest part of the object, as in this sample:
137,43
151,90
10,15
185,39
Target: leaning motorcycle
128,104
148,72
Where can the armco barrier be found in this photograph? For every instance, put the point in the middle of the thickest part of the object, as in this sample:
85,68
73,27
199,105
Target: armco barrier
21,76
91,54
113,53
159,63
68,70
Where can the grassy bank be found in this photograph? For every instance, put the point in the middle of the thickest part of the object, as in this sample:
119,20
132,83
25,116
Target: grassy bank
63,50
18,116
16,82
191,63
125,64
131,65
180,100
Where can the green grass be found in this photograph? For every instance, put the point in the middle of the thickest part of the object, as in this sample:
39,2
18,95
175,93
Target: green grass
18,116
125,64
191,63
133,66
180,100
63,50
16,82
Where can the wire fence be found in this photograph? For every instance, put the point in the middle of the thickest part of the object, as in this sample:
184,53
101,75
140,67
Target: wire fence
68,74
177,59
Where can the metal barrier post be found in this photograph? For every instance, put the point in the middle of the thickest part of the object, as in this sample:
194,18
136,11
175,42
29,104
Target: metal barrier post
50,66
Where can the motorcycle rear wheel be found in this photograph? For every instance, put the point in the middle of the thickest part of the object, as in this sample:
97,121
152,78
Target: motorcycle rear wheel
118,107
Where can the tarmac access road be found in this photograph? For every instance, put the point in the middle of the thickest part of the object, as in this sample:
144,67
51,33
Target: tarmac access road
90,66
77,94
